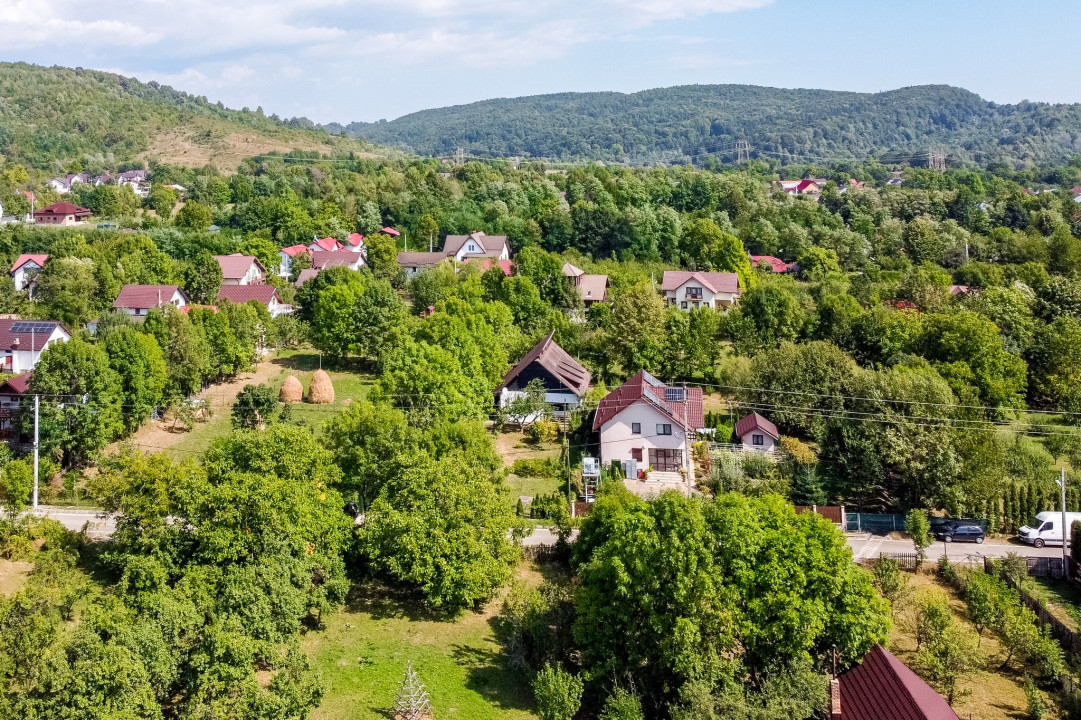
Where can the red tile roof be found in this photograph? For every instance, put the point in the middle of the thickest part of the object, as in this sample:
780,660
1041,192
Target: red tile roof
593,288
643,387
882,687
572,271
778,265
138,297
328,244
15,385
241,294
713,281
26,340
390,231
754,421
305,275
486,263
63,208
25,258
294,250
354,239
236,266
555,360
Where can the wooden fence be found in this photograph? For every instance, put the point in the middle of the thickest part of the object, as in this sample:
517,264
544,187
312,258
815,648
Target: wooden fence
1045,567
834,513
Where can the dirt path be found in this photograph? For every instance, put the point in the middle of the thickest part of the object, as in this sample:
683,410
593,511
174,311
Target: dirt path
159,435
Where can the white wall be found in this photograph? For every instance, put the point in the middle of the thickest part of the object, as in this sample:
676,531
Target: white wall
286,267
25,360
709,299
768,443
617,440
20,275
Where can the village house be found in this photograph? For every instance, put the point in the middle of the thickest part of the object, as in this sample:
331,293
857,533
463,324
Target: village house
25,271
265,295
62,185
238,269
565,379
286,255
61,213
775,264
11,395
882,687
487,263
460,247
139,300
756,433
592,288
354,243
807,186
647,426
136,180
688,290
414,262
327,244
22,341
322,259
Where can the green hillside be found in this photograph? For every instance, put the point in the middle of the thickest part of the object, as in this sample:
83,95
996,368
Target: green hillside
693,122
56,114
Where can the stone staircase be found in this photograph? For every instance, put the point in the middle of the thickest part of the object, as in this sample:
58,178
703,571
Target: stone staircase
666,477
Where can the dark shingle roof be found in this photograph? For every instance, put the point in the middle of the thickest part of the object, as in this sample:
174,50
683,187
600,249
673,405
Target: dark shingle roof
491,244
241,294
646,388
555,360
236,266
882,687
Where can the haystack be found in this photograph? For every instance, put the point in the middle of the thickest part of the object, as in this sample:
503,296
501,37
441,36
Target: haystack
321,390
292,391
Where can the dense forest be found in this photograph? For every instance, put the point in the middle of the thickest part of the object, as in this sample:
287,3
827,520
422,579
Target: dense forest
694,123
51,116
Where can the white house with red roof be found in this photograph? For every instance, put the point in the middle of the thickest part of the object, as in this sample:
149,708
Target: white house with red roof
139,300
61,213
806,186
757,433
25,270
688,290
22,342
354,243
286,255
327,244
265,295
240,269
646,424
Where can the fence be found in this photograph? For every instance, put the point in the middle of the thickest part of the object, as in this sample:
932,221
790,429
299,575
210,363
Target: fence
1066,637
885,523
834,513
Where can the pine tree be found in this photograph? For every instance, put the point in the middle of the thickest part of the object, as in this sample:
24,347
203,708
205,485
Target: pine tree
412,701
1007,511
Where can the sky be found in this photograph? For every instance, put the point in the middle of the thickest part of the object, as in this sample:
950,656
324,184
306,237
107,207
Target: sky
346,60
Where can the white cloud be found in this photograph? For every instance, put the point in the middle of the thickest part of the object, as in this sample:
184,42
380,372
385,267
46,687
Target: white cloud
651,10
32,23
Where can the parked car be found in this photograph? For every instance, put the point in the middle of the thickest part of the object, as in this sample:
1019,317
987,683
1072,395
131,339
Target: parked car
960,532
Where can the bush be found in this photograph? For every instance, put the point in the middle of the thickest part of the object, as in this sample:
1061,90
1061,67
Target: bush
890,580
1037,708
543,431
559,693
536,467
622,705
918,528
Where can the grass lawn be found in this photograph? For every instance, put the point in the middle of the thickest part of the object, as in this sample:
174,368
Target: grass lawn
349,386
1062,599
363,651
991,694
531,487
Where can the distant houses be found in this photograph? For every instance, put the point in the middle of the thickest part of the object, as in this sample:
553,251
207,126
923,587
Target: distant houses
265,295
139,300
137,180
811,187
688,290
459,248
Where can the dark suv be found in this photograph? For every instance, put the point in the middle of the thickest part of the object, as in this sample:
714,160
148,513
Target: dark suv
961,532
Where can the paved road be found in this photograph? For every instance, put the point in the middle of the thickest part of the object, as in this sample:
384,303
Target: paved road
98,525
869,547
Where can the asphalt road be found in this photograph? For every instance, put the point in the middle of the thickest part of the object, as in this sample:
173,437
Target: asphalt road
98,525
870,546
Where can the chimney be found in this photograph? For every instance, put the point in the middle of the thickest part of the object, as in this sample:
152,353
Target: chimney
835,699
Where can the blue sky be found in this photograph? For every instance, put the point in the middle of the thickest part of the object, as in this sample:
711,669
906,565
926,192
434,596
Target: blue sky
344,60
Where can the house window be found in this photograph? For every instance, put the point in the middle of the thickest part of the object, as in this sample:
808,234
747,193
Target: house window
636,428
693,292
683,305
665,429
758,440
636,454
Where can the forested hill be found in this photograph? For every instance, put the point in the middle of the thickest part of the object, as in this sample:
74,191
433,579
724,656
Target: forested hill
55,115
692,122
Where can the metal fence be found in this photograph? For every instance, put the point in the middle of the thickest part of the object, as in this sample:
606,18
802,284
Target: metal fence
885,523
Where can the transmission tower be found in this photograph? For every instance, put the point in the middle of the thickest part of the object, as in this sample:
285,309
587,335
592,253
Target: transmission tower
936,159
459,157
743,151
412,701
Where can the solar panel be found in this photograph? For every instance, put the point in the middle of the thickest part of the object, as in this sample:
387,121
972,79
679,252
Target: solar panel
673,394
26,326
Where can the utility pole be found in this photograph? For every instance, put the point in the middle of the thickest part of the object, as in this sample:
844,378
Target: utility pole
686,441
1065,530
37,405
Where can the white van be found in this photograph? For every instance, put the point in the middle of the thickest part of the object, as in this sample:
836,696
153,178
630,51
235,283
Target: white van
1046,528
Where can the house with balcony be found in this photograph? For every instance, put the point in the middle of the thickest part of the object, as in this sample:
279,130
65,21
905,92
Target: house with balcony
61,213
11,396
688,290
648,428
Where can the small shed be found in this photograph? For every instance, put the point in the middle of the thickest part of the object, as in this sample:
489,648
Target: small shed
757,433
